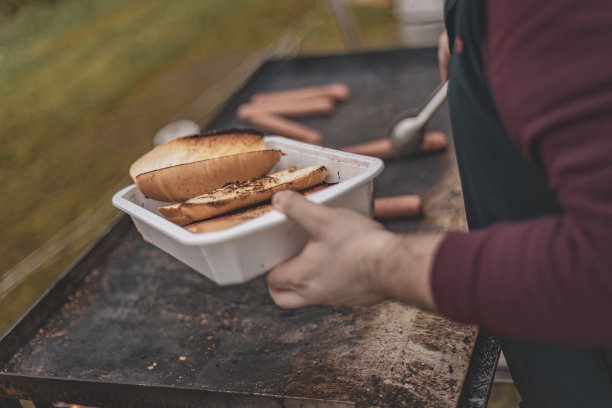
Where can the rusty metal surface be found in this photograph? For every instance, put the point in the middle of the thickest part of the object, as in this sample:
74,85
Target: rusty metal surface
130,325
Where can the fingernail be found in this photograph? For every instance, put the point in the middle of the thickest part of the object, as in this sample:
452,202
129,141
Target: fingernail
278,198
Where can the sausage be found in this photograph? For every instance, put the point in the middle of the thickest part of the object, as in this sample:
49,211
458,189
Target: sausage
434,142
382,148
402,206
337,91
316,105
285,127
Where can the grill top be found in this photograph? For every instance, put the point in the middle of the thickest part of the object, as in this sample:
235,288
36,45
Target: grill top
132,316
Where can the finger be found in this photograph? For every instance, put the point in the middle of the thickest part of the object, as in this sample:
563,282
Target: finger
286,274
314,218
285,298
443,55
281,277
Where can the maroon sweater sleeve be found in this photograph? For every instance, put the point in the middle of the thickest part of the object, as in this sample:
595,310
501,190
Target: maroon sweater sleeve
549,66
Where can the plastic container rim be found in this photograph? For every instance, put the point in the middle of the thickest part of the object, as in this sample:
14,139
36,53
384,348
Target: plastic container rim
268,220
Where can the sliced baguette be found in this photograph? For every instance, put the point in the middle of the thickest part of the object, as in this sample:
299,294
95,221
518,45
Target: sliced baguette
190,166
238,217
241,195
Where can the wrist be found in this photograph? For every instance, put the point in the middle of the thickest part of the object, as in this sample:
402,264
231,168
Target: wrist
381,246
405,268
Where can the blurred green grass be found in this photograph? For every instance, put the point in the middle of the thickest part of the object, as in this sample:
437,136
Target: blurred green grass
65,70
85,85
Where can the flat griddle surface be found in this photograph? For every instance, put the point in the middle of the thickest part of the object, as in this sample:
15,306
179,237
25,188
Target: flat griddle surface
130,325
383,85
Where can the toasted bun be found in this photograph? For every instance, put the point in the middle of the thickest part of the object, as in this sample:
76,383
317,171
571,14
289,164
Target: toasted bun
229,220
184,181
238,217
194,165
174,214
241,195
194,148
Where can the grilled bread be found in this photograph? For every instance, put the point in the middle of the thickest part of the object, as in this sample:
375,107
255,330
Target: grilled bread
229,220
238,217
193,165
242,194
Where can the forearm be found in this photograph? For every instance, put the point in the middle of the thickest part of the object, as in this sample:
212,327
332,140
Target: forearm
542,279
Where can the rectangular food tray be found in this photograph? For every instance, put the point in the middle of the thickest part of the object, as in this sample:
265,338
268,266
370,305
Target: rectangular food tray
242,252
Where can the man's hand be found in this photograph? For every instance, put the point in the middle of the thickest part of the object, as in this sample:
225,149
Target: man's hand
350,260
443,55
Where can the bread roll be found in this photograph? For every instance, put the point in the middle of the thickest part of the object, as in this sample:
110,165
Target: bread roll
240,195
226,221
238,217
193,165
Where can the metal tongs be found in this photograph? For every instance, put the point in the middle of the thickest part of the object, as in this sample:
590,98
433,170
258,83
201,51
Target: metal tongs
407,131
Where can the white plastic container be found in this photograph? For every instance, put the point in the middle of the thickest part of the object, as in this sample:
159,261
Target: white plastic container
245,251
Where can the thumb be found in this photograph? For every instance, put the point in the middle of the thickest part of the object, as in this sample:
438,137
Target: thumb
314,218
